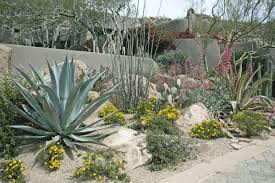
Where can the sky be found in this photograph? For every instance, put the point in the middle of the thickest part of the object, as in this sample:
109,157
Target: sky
173,8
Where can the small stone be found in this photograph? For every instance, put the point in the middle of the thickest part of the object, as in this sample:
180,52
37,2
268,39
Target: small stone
243,144
236,146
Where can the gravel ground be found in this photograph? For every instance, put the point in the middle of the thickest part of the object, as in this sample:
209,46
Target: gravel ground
207,151
38,174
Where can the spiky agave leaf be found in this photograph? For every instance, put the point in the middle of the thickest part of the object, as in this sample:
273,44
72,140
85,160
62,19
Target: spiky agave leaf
60,108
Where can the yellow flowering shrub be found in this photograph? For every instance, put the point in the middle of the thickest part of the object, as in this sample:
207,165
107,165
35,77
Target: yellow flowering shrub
13,171
170,112
117,118
101,166
53,157
146,107
208,129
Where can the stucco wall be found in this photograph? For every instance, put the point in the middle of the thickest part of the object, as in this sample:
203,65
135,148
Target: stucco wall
192,49
37,57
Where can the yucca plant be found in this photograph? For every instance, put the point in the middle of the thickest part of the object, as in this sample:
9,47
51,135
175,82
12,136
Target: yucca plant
58,108
242,86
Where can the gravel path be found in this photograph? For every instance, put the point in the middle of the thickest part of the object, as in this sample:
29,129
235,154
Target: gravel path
259,169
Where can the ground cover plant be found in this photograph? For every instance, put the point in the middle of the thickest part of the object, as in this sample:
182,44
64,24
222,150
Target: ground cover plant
166,144
116,118
250,122
102,166
13,171
8,116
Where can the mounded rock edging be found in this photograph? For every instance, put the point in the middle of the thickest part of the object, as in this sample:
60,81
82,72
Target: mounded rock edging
131,147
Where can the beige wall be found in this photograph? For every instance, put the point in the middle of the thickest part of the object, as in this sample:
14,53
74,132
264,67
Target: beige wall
37,57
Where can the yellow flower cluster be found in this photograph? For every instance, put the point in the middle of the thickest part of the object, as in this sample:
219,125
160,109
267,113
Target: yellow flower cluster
101,166
170,112
208,129
14,171
146,110
118,117
54,156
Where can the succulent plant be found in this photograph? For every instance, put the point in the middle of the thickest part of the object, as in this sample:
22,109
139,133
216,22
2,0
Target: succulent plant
58,108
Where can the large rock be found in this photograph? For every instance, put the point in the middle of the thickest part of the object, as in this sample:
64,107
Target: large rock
5,56
160,79
80,69
194,114
131,147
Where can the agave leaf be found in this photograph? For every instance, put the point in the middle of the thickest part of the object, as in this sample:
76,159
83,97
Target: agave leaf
69,143
240,86
69,114
252,76
252,90
52,97
19,111
54,80
33,130
31,137
104,135
95,122
37,75
85,113
52,116
84,90
28,79
92,129
89,139
64,84
29,97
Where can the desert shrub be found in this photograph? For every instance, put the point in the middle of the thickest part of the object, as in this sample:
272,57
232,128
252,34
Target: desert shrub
170,112
252,123
216,101
208,129
160,123
13,171
146,107
116,118
167,59
165,143
53,156
7,115
167,150
149,109
102,166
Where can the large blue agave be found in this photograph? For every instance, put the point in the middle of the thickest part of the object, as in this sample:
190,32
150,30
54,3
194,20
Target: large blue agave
58,108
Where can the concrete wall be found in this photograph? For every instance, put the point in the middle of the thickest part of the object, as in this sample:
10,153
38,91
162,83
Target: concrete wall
191,48
178,25
37,57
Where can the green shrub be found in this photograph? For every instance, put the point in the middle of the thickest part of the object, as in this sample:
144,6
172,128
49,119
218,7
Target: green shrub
7,115
165,143
252,123
216,101
160,123
101,166
171,57
13,171
167,150
208,129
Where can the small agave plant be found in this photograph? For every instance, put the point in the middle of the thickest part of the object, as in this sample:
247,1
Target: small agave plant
58,108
